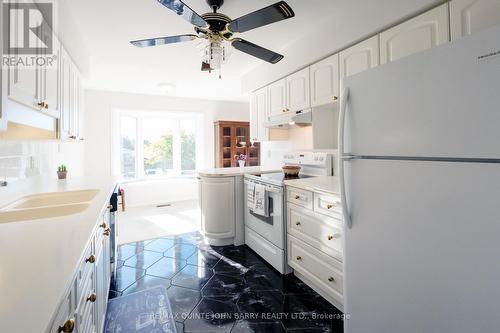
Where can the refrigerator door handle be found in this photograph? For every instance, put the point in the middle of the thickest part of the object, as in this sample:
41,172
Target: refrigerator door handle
343,157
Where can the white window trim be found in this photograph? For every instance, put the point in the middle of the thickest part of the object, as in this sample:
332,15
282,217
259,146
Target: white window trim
140,115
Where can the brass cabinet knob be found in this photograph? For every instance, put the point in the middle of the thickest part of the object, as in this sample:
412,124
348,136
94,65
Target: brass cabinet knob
68,326
329,206
72,136
330,237
107,232
331,279
299,258
92,298
297,197
297,223
90,259
335,98
104,225
110,206
43,105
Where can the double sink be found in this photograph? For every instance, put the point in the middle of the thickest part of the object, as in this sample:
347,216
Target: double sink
47,205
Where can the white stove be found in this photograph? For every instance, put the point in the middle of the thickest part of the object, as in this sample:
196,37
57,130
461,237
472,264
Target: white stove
266,234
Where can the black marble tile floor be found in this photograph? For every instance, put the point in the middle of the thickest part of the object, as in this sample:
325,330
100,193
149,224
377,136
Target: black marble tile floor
222,289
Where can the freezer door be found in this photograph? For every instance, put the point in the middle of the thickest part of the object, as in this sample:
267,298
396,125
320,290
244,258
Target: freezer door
423,254
441,103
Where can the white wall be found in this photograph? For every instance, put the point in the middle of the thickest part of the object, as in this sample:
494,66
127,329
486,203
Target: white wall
99,107
25,159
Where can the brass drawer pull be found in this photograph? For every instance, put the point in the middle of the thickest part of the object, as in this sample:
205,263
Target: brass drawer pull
68,326
104,225
330,237
110,206
107,232
297,223
329,206
331,279
297,197
92,298
335,98
90,259
299,258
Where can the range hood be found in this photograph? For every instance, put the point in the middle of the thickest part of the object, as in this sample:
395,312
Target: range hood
300,118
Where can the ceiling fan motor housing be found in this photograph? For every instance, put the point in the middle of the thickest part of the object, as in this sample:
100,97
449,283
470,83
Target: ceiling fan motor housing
215,4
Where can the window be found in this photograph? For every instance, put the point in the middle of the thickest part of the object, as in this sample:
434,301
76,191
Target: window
153,145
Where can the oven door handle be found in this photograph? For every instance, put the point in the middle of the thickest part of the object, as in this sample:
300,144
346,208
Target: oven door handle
268,188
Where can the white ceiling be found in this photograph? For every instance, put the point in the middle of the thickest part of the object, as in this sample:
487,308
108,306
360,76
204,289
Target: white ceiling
106,27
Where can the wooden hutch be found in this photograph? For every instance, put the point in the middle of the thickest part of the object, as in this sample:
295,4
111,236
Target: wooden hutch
233,138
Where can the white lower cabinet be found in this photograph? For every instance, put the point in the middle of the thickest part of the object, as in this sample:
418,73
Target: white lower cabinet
217,201
315,242
83,308
416,35
470,16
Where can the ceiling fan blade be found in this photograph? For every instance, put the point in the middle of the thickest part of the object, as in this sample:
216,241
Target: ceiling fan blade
257,51
271,14
181,9
163,40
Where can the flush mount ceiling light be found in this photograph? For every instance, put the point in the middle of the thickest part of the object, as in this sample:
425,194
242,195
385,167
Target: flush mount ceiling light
218,30
166,88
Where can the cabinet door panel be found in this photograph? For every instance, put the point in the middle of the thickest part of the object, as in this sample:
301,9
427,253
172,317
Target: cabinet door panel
470,16
262,114
360,57
297,91
277,97
418,34
218,207
254,120
66,83
325,81
23,80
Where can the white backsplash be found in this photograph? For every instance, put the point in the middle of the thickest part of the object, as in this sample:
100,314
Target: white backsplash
25,159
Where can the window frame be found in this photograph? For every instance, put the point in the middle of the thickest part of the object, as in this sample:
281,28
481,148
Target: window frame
177,117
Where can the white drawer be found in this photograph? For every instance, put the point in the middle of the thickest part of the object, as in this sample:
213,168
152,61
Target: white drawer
85,304
299,197
328,204
322,232
324,271
267,250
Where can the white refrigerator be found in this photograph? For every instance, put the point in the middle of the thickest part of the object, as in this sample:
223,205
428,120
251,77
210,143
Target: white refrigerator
419,141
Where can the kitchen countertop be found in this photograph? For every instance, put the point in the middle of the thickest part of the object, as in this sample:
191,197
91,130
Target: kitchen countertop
39,257
237,171
327,184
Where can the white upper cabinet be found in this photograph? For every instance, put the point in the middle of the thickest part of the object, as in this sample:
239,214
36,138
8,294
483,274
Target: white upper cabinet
469,16
360,57
23,81
277,97
298,93
261,100
418,34
66,77
325,81
49,86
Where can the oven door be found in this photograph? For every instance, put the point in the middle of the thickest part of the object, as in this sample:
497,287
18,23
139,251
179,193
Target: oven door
271,228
